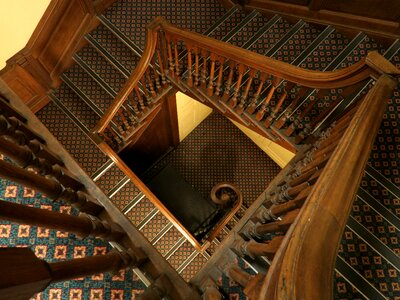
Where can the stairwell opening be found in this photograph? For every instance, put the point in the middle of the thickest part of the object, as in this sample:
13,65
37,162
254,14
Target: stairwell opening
210,150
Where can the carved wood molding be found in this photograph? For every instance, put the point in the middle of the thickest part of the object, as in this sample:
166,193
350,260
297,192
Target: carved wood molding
36,68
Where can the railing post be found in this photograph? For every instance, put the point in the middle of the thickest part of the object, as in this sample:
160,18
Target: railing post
81,225
23,274
50,187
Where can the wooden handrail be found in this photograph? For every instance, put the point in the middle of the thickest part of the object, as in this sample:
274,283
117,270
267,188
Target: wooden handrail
303,266
133,80
161,33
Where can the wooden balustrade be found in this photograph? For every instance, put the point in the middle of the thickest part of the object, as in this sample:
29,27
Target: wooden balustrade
303,266
159,289
82,225
50,187
24,275
226,75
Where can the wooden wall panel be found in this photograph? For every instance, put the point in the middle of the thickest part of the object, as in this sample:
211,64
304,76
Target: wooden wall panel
49,50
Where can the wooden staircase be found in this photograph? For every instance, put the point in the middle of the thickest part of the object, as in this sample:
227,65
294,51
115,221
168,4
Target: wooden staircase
119,95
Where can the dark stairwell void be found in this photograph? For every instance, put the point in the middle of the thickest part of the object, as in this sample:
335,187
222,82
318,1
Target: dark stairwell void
182,177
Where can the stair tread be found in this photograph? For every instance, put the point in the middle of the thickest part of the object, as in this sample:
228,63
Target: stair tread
228,25
156,224
191,270
89,87
115,47
180,255
102,67
297,44
368,263
140,211
72,138
109,179
72,101
168,241
344,290
194,15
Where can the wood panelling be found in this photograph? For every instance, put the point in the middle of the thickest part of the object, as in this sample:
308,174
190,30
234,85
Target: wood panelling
36,68
380,19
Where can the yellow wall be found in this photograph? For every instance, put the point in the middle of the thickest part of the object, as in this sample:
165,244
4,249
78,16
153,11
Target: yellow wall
18,19
191,113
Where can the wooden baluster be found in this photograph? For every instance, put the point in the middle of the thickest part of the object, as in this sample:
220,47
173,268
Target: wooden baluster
309,126
110,141
238,275
228,83
139,101
50,187
10,128
210,290
218,88
255,249
234,100
197,66
253,105
24,275
142,105
261,112
24,132
189,67
9,111
203,78
260,230
158,289
210,88
289,86
176,56
170,56
150,84
279,124
81,225
296,120
156,76
243,99
25,158
124,125
162,70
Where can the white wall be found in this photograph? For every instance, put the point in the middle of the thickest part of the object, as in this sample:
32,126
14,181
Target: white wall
18,19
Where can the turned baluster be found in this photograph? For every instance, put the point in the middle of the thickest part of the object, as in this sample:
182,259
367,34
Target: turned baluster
236,92
260,230
159,289
253,105
289,86
50,187
264,215
203,78
9,112
156,75
243,99
150,84
81,225
124,126
10,128
143,107
282,120
254,249
110,141
24,275
176,57
228,83
17,130
238,275
170,56
162,70
196,66
210,290
189,67
309,126
218,87
25,158
261,112
210,88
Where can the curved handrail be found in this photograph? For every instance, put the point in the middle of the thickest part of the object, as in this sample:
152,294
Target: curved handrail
312,242
309,78
133,80
367,67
